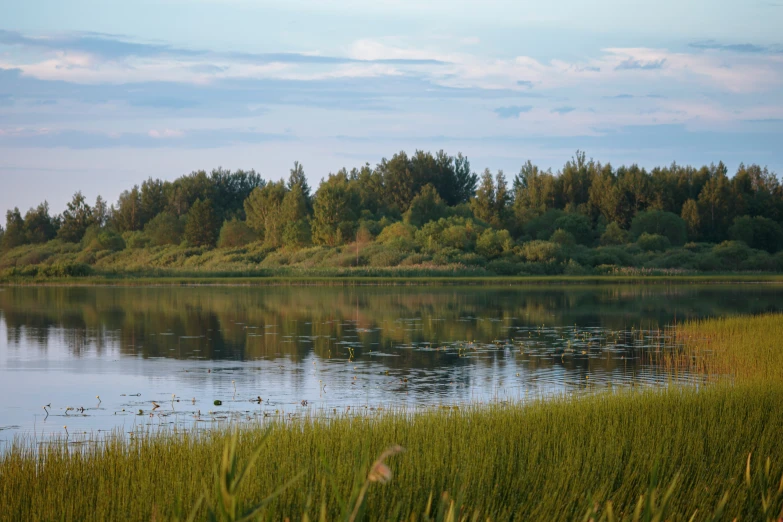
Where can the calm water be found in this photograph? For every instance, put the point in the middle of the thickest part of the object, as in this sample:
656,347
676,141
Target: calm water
326,349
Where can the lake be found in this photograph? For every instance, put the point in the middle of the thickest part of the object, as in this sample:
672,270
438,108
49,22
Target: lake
162,356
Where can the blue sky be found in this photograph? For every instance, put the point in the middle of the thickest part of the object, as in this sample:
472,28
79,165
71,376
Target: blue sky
98,96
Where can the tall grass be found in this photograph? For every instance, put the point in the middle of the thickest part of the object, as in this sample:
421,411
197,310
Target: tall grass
545,461
743,348
708,453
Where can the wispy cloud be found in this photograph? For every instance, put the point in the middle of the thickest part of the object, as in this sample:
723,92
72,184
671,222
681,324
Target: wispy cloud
563,110
188,139
631,63
111,47
737,47
512,111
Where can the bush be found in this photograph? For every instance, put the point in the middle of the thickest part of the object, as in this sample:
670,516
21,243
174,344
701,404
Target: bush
540,251
398,235
134,240
503,267
757,232
731,254
563,238
578,225
653,242
164,229
235,233
660,223
386,257
614,235
492,243
572,268
543,226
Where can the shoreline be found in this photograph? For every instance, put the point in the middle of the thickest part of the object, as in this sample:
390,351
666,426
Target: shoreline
423,281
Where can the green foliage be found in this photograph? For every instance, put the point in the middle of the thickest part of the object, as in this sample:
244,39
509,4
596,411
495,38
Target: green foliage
39,226
614,235
563,238
731,254
15,234
540,251
492,243
165,229
97,239
200,224
76,218
757,232
578,225
653,242
657,222
425,207
333,211
263,210
297,234
543,226
235,233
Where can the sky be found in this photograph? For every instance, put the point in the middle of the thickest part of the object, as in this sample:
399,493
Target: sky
100,95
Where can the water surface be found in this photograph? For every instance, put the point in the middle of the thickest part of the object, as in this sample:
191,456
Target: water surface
326,349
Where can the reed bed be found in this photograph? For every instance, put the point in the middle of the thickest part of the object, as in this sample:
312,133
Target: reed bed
550,460
741,348
706,453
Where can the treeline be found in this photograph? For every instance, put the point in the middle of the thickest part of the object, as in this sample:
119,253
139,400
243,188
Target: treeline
428,203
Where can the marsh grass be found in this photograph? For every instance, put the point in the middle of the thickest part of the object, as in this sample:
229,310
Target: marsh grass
736,348
549,460
692,453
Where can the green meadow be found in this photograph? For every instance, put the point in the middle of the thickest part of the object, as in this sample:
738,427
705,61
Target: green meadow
710,452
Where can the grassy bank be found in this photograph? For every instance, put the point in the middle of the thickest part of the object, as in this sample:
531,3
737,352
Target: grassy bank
555,460
357,277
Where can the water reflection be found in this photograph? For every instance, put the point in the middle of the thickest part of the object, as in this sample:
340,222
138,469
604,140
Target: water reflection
330,347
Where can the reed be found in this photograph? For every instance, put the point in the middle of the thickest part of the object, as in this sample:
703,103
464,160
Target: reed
552,460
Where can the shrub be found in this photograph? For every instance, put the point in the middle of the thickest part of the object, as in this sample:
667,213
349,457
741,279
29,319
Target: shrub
731,254
659,222
164,229
572,268
563,238
425,207
398,235
386,258
235,233
543,226
540,251
503,267
578,225
757,232
614,235
653,242
492,243
135,240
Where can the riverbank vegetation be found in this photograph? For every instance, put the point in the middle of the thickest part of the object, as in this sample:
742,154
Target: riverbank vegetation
689,454
420,215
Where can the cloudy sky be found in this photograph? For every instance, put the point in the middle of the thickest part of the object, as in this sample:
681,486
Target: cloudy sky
99,95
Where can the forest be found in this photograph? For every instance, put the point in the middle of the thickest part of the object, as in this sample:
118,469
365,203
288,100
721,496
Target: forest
420,213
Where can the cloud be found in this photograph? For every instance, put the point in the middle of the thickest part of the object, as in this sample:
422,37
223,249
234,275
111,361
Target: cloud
525,83
165,133
712,45
563,110
188,139
112,47
512,111
631,63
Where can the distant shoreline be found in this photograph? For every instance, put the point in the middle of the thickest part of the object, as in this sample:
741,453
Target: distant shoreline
352,280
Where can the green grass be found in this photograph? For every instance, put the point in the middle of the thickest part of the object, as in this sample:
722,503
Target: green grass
684,450
545,461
